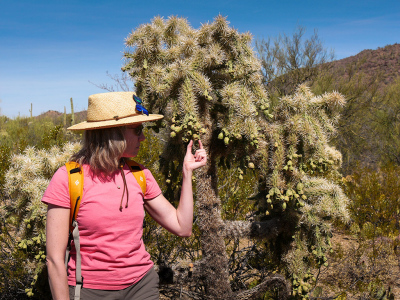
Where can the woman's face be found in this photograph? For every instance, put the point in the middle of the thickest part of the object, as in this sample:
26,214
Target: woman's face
133,135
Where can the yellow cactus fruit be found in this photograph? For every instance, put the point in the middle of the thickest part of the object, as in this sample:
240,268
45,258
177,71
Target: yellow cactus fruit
178,129
221,135
172,134
251,165
284,205
173,127
168,181
226,140
267,213
203,131
241,177
196,137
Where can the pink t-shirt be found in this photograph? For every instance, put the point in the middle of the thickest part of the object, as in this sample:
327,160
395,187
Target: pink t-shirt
112,249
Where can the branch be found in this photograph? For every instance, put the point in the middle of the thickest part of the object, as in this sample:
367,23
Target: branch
267,229
268,283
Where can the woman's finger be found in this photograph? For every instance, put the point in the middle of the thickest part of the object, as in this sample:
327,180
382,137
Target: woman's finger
189,147
200,144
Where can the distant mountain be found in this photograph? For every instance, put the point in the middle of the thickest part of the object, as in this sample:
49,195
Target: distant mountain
57,116
382,63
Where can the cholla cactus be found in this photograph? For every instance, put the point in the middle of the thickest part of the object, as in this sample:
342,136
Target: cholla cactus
208,84
26,181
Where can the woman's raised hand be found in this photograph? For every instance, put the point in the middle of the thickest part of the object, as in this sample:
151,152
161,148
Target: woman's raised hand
196,160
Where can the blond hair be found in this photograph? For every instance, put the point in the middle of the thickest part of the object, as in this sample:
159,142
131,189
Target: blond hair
102,150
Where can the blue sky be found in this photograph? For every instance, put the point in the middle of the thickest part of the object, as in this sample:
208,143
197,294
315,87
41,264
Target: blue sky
51,51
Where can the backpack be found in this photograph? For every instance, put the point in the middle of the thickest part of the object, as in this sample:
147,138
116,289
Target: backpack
75,185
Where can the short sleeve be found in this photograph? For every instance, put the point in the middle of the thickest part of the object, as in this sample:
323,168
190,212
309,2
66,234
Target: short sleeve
152,188
57,193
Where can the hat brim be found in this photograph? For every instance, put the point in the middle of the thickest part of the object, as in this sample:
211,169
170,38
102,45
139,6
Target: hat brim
115,123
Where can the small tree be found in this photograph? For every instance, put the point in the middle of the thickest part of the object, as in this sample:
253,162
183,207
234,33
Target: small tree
288,61
208,84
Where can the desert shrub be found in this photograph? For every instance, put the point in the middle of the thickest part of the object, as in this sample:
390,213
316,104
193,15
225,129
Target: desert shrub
375,201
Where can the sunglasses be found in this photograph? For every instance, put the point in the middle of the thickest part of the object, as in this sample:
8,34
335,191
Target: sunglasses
137,130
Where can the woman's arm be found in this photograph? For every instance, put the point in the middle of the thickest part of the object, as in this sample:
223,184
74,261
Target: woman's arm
56,244
179,221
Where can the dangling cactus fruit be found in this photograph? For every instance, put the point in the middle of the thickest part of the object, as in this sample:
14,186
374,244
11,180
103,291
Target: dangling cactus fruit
178,129
283,205
221,135
251,165
196,137
172,134
241,177
226,140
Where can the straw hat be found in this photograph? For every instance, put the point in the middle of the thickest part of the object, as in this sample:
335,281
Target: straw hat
114,109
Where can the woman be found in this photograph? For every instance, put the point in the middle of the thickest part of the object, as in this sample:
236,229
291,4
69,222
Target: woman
114,262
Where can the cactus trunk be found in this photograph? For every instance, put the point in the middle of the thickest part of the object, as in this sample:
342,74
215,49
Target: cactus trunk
72,113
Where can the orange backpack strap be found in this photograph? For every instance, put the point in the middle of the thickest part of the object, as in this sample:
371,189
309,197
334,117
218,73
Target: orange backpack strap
137,171
75,184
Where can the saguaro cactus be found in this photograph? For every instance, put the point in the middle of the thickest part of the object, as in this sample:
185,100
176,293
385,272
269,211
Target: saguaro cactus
72,112
208,84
